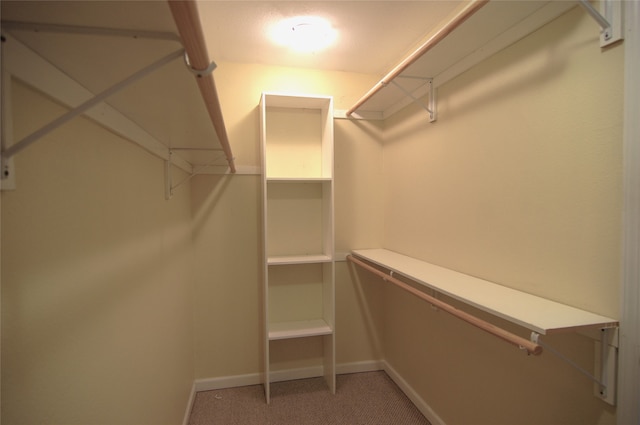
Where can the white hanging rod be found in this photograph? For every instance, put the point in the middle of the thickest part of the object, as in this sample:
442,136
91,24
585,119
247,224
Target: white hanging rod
185,15
440,35
74,29
522,343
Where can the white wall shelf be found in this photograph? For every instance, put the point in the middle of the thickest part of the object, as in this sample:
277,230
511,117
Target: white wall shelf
540,315
535,313
299,329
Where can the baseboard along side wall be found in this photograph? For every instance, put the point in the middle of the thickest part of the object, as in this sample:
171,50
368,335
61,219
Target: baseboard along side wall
210,384
415,398
192,399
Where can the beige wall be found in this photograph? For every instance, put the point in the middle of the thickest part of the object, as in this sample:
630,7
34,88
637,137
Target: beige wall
518,182
227,225
97,289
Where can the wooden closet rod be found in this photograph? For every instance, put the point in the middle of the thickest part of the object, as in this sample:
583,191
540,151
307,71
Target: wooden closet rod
444,31
522,343
185,15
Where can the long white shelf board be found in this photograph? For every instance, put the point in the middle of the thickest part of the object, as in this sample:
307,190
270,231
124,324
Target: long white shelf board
530,311
298,329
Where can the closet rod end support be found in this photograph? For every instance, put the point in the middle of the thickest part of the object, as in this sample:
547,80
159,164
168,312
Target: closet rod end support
610,24
199,72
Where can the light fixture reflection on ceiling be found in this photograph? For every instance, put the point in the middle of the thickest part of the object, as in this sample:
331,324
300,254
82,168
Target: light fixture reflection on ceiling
304,33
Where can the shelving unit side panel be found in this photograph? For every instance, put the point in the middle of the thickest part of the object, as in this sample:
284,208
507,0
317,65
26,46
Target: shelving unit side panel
329,293
329,366
328,220
265,373
327,140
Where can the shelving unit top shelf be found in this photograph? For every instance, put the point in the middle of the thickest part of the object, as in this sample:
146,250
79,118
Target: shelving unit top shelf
287,100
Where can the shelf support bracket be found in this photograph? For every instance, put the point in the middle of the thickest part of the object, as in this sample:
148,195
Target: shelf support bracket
168,175
430,107
605,364
168,190
610,24
7,168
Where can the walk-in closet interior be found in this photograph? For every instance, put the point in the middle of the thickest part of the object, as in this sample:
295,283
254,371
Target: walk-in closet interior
447,191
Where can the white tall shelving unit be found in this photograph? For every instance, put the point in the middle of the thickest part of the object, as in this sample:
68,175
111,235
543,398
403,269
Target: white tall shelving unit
298,225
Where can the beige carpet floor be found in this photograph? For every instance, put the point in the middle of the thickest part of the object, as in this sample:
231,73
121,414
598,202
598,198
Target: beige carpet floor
369,398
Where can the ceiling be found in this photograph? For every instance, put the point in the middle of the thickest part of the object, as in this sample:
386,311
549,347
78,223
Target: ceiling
372,35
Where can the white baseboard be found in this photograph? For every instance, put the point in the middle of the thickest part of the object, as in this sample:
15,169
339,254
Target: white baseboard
209,384
419,402
357,367
293,374
192,399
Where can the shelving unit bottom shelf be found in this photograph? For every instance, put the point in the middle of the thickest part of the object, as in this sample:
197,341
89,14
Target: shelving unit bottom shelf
298,329
298,259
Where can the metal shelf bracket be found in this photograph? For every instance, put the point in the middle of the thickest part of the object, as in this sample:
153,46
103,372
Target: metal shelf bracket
169,187
7,169
430,106
606,358
610,24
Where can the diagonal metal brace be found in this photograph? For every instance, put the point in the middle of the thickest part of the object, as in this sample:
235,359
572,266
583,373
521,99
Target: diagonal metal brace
610,24
431,107
601,20
605,382
36,135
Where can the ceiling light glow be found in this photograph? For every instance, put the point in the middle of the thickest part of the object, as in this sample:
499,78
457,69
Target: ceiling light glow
304,33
